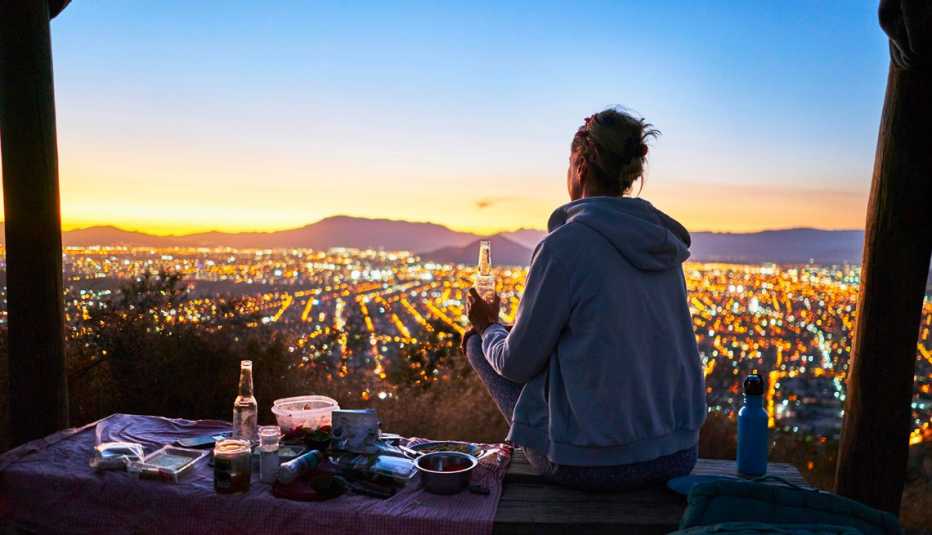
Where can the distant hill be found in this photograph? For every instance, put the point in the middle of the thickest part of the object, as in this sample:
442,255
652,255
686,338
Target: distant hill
505,252
338,231
110,235
342,231
528,237
788,246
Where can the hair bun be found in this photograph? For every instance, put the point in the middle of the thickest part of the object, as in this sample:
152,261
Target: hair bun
611,148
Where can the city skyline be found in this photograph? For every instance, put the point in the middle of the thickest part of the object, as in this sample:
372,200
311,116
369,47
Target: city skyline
178,119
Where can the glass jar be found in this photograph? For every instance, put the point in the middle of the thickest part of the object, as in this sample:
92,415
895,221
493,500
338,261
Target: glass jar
232,466
268,453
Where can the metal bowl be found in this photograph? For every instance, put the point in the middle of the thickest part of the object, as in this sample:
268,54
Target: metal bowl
445,472
448,445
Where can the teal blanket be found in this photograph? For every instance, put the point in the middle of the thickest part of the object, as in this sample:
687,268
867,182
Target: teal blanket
730,503
758,528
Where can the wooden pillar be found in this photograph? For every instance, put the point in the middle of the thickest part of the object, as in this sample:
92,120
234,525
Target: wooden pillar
38,396
897,245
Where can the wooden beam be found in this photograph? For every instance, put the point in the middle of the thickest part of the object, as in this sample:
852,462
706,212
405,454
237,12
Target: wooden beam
530,504
38,396
56,7
897,245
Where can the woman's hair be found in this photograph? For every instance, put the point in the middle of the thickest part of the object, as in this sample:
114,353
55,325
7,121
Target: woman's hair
611,148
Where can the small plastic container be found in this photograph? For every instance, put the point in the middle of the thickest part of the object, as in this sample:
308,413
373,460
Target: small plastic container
167,464
309,412
116,455
398,469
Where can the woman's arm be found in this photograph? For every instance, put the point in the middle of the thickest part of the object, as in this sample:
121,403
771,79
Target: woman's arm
542,314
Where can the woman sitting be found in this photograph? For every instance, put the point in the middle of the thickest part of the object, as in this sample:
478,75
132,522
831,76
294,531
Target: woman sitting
600,378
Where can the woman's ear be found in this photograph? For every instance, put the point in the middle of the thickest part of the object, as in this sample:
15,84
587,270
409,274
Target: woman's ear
575,179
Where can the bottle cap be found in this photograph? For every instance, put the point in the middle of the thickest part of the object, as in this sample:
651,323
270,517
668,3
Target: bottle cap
753,384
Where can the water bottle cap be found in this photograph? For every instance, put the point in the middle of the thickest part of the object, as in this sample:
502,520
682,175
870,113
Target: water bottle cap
753,384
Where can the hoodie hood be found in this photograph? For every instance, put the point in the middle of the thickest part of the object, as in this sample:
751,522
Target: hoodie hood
649,239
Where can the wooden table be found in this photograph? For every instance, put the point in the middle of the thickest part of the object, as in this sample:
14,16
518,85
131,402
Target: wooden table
530,505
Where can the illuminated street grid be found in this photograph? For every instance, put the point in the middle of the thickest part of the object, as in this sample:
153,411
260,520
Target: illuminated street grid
792,323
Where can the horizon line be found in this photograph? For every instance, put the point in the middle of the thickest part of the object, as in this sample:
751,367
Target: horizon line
69,228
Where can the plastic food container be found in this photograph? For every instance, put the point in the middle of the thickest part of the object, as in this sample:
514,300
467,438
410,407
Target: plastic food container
309,412
167,464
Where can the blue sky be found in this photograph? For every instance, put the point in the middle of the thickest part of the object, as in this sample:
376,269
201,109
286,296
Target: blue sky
177,116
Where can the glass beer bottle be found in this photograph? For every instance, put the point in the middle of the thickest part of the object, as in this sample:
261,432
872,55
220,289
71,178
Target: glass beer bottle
485,280
245,408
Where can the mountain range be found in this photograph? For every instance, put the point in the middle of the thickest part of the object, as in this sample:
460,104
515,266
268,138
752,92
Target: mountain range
788,246
439,243
338,231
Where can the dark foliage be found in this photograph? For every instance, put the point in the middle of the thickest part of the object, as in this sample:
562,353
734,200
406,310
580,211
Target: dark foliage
134,356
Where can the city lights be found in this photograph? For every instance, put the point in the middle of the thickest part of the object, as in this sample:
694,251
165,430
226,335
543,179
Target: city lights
793,323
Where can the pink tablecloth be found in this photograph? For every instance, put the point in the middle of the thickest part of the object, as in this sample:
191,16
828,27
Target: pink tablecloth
47,485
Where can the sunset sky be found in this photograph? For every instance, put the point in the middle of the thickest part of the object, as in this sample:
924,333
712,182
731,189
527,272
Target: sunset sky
184,116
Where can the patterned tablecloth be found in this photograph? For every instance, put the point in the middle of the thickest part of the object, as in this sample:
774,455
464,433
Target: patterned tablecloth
47,485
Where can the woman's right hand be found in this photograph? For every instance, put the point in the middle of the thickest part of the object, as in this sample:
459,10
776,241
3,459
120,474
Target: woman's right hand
480,313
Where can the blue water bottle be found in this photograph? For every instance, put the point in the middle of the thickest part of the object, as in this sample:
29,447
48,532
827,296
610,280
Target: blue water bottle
752,429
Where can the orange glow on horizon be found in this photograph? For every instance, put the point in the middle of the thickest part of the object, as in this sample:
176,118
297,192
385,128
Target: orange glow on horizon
718,208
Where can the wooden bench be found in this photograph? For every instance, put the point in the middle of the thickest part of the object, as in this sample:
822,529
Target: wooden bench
531,506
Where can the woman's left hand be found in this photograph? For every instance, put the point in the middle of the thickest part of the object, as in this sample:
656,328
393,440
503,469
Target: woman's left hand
482,314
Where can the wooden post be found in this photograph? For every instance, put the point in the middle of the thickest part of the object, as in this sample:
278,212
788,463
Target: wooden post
38,396
897,245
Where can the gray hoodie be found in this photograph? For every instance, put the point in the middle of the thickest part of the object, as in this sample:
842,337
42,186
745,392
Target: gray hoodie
603,341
